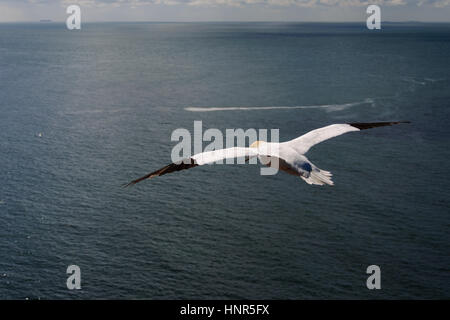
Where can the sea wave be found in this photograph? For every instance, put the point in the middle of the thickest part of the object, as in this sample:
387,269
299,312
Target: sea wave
327,107
92,111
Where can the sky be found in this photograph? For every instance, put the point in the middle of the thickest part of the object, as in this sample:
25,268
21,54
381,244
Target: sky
225,10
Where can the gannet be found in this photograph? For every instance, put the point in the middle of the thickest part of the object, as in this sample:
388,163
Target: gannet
286,156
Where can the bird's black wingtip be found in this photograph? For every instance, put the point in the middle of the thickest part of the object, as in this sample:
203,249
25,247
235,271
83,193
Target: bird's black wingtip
368,125
129,184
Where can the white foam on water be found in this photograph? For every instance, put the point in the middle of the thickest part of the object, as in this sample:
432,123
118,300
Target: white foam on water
414,81
434,80
92,111
327,107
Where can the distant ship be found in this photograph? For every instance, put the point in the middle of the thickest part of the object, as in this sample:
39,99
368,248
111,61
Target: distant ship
45,20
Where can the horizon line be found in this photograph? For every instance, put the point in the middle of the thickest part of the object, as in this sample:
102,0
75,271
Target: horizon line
48,21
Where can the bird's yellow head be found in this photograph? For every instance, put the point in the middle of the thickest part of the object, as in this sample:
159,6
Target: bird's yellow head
256,144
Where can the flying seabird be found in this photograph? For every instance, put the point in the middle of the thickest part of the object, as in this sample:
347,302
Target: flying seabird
287,156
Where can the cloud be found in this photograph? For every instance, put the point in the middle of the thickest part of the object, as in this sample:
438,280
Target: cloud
225,10
240,3
10,14
435,3
284,3
359,3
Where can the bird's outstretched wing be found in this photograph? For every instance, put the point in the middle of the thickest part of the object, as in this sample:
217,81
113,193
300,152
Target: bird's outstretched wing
200,159
303,143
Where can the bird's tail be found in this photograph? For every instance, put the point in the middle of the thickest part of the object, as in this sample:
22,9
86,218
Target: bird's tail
319,177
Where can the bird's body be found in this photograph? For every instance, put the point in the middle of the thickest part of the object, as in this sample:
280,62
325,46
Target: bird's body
287,156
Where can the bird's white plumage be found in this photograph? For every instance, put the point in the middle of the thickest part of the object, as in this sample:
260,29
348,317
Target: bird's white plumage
303,143
209,157
287,156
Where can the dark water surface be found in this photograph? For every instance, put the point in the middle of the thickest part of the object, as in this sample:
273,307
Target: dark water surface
83,112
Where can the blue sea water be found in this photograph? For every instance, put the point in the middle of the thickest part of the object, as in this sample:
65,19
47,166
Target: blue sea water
82,112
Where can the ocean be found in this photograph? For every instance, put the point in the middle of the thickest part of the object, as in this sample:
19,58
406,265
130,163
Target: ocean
83,112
